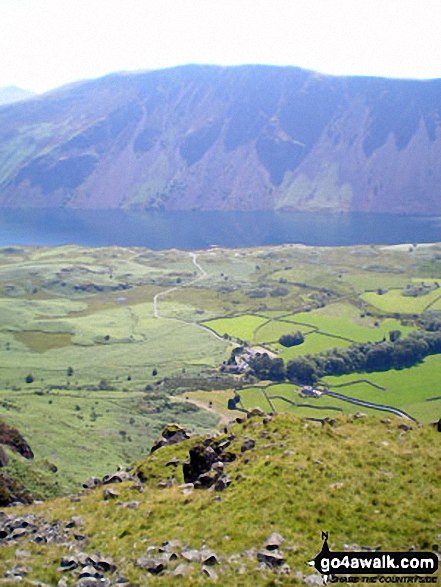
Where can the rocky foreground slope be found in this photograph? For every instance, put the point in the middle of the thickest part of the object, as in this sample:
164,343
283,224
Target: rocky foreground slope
226,138
245,506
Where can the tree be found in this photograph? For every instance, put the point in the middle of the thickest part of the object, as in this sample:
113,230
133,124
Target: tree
29,379
394,335
293,339
70,371
303,370
264,367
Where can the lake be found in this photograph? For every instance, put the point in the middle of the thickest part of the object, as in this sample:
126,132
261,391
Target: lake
199,230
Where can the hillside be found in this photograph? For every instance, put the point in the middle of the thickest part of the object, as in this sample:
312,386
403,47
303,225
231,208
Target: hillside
226,138
373,485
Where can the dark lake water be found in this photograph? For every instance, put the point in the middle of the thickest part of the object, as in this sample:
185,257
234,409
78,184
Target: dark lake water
198,230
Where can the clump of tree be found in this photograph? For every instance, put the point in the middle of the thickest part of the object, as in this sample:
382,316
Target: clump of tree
264,367
369,356
293,339
431,321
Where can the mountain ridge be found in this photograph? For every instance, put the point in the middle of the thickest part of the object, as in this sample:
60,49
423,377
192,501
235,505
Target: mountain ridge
226,138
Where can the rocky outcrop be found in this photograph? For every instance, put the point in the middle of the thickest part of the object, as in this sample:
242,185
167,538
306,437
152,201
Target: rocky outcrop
206,463
11,437
172,434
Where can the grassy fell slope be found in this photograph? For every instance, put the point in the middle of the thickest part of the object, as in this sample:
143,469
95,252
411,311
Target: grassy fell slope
368,482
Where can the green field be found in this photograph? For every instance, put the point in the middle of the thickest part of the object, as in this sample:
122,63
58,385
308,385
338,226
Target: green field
394,302
346,321
242,327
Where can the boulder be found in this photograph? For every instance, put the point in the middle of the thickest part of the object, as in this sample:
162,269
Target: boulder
152,565
92,482
75,522
208,557
247,445
209,573
192,555
274,541
90,571
110,494
130,505
118,477
172,434
201,460
222,483
272,558
182,570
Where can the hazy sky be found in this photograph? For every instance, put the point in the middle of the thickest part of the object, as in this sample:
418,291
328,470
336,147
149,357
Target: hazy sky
47,43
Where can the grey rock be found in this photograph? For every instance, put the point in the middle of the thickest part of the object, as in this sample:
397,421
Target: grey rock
182,570
285,569
104,563
247,445
118,477
90,571
110,494
192,555
22,554
313,581
165,484
170,545
68,563
91,582
272,558
222,483
187,488
152,565
91,483
274,541
75,522
18,532
208,557
251,553
130,505
209,573
356,416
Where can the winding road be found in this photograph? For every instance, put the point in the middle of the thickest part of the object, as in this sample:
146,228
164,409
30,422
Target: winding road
202,275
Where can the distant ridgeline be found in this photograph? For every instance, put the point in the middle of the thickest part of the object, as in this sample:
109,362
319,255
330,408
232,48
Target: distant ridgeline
226,138
395,353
